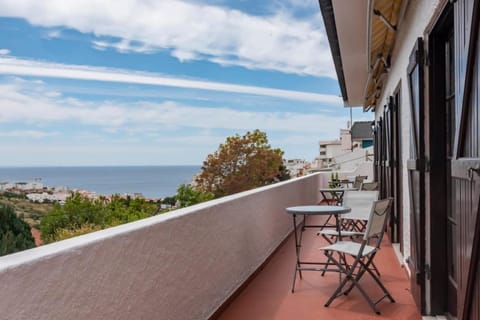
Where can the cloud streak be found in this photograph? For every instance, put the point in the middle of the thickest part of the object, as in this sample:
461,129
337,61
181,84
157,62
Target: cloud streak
31,103
22,67
190,30
31,134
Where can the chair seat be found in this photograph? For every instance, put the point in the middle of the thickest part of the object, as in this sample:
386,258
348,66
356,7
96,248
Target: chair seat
345,233
351,248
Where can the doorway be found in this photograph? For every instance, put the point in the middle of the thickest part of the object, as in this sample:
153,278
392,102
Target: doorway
442,119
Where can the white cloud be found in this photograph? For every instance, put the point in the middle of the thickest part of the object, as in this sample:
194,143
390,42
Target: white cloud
52,34
4,52
32,104
33,134
100,45
53,94
190,30
44,69
123,46
184,55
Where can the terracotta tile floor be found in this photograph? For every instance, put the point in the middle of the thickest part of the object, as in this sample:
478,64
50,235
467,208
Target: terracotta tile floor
269,295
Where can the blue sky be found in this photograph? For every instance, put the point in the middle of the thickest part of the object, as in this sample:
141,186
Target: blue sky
145,82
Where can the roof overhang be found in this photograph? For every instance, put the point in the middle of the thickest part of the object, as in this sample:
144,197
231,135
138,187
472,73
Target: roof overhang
361,34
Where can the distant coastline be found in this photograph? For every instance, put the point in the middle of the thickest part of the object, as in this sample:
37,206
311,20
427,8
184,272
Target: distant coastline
150,181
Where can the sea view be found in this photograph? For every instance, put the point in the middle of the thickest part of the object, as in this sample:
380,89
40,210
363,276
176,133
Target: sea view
151,181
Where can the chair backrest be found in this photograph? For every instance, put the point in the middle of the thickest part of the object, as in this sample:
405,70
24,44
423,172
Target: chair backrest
378,219
359,195
360,202
369,186
358,181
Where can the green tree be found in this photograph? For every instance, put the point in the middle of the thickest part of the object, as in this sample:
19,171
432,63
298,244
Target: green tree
241,163
81,215
169,200
283,174
15,234
188,196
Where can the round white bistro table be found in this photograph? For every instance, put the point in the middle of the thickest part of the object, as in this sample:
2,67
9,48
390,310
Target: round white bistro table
313,210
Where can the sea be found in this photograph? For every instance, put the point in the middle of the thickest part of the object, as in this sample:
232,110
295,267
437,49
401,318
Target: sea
150,181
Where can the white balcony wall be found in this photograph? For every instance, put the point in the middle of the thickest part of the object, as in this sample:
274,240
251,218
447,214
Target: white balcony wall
179,265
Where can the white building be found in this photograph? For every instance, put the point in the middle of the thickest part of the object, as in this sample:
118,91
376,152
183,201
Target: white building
4,186
296,167
55,197
32,185
348,152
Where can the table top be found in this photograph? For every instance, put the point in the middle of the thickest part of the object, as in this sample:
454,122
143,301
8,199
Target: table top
332,190
318,210
342,181
337,189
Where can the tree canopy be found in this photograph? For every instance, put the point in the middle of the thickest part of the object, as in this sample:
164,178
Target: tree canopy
188,196
15,234
241,163
80,215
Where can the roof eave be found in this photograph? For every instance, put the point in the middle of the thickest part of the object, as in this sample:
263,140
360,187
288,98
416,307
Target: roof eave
326,9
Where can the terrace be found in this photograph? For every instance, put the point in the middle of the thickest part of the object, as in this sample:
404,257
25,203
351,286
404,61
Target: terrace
188,264
269,295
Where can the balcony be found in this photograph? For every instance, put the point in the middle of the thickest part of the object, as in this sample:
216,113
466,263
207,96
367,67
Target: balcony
269,295
186,264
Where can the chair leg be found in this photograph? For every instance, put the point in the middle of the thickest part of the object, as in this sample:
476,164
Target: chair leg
365,295
327,221
374,267
348,276
341,257
380,284
326,264
365,267
354,281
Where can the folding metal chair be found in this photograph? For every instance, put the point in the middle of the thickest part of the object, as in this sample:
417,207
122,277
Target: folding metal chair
369,186
353,223
363,255
358,181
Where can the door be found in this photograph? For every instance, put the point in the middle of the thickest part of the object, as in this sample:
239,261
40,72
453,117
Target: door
389,187
442,123
416,166
397,184
378,145
465,162
441,139
387,152
451,217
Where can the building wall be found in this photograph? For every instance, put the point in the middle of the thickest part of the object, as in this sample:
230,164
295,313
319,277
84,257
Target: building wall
334,150
346,139
180,265
350,161
417,18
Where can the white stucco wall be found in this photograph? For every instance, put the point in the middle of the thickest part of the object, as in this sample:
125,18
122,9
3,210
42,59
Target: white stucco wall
179,265
417,17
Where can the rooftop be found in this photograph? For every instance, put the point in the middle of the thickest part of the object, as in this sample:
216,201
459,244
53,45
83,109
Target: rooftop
362,130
